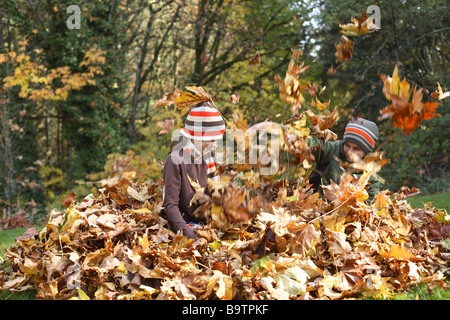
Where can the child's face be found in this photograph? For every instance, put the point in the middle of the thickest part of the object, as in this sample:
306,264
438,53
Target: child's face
353,152
202,145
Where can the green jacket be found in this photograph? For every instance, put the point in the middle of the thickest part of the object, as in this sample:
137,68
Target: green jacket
329,152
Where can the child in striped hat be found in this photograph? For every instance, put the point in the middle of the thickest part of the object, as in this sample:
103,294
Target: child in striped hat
192,154
359,139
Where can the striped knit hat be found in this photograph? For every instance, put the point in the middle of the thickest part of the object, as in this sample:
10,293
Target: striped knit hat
362,132
204,123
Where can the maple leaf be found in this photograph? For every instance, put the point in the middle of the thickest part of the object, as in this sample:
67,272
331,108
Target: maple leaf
322,125
191,98
405,114
320,105
372,162
439,94
255,60
359,26
296,53
70,199
331,71
234,98
398,253
223,286
337,243
184,100
204,57
168,99
165,125
290,88
344,50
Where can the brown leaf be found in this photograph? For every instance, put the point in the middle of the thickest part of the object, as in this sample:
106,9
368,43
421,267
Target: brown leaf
234,98
165,125
296,53
439,94
193,97
255,60
344,50
70,199
359,26
167,99
205,57
331,71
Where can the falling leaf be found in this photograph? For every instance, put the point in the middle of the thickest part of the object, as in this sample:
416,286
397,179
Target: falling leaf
165,125
168,99
70,199
320,105
439,94
296,53
322,125
193,97
359,26
255,60
234,98
344,50
290,88
405,114
331,71
205,57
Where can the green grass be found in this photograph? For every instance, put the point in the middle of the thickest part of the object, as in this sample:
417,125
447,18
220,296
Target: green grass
420,292
440,200
7,238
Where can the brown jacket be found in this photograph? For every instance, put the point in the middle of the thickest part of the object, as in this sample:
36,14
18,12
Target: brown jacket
178,192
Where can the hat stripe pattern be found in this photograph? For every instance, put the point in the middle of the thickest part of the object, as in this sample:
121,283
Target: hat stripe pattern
204,123
361,136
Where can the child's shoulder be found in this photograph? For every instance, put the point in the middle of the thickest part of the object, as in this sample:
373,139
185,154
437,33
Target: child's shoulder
175,157
332,146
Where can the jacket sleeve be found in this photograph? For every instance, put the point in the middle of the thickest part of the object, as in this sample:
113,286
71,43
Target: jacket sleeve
322,155
373,188
172,189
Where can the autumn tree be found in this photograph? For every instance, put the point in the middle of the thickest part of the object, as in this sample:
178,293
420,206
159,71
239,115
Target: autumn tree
88,123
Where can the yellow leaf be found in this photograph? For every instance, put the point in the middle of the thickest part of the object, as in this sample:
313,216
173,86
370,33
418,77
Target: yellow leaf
82,295
320,105
145,245
189,99
359,26
398,253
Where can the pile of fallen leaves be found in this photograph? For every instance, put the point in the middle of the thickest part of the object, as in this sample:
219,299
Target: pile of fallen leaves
118,245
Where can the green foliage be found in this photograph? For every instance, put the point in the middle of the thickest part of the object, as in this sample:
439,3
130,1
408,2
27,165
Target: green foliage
420,159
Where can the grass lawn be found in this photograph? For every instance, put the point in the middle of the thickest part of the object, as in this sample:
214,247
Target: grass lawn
420,292
440,200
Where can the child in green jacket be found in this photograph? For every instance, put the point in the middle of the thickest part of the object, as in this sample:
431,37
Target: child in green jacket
359,139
